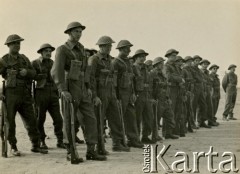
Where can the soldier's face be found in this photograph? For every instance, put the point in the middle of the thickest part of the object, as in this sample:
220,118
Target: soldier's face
204,65
75,34
142,58
214,70
196,61
47,53
125,51
88,54
173,55
232,69
106,49
14,47
160,66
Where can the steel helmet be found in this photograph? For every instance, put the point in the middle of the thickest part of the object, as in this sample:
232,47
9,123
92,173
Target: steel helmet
204,61
138,52
13,38
188,58
213,66
46,45
179,58
124,43
232,66
170,52
148,62
197,57
157,60
74,25
105,40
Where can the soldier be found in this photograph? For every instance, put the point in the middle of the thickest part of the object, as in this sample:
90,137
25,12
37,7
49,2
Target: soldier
103,84
46,95
18,72
72,80
125,92
160,93
229,84
180,110
173,78
144,109
189,85
215,88
132,60
149,65
207,94
199,101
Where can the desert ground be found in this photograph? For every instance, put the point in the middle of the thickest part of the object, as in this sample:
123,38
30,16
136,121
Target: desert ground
223,138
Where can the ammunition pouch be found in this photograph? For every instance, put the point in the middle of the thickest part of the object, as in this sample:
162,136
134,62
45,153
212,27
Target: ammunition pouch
11,81
75,72
139,83
126,80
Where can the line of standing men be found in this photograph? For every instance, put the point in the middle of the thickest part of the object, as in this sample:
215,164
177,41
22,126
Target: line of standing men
133,89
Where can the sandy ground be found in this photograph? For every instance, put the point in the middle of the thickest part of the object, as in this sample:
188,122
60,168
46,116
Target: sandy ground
226,137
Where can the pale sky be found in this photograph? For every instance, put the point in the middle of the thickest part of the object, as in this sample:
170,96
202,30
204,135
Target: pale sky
209,28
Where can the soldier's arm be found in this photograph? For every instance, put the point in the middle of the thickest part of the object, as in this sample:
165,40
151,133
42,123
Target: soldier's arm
30,70
92,65
116,70
58,70
38,76
3,67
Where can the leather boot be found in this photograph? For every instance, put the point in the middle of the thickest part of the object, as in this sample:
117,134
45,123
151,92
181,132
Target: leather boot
15,151
118,147
43,145
93,155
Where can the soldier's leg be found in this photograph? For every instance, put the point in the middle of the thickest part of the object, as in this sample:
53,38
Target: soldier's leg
234,97
12,101
148,118
139,104
30,122
195,101
54,111
41,106
91,134
114,122
228,103
168,117
202,116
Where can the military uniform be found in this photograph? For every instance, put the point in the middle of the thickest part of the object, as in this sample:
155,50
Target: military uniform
160,92
216,91
70,75
124,92
18,95
103,85
189,86
230,86
47,98
198,101
144,109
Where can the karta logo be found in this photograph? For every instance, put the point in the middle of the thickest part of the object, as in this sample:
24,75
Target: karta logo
152,158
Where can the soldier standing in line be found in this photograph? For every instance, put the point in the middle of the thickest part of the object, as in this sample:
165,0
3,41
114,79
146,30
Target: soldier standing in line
149,65
125,92
180,110
160,92
207,94
199,101
229,84
215,88
173,78
189,85
72,80
103,86
46,95
18,72
144,109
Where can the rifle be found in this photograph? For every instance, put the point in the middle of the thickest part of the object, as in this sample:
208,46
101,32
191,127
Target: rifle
101,140
122,122
4,124
68,112
155,123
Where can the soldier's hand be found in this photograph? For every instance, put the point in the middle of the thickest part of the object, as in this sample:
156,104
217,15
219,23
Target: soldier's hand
2,97
89,93
153,101
133,98
96,101
23,72
183,81
67,96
